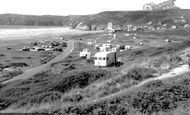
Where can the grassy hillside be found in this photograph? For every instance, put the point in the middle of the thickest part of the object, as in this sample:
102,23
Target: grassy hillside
74,86
96,21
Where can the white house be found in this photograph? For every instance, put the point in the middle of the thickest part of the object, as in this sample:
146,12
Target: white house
107,45
127,47
173,27
96,46
105,58
141,44
167,40
85,53
104,49
115,49
90,44
127,34
110,28
186,26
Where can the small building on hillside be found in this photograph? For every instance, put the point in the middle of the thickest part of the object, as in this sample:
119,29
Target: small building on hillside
127,47
104,49
107,45
110,28
85,53
115,49
173,27
105,58
90,44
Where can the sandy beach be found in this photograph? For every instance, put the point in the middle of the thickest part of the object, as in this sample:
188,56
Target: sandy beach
24,33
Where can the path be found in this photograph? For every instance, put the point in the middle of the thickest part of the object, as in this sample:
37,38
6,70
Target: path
31,72
174,72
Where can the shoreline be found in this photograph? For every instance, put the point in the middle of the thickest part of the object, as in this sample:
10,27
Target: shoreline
29,33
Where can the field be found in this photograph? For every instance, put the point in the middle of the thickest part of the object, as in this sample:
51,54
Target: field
75,86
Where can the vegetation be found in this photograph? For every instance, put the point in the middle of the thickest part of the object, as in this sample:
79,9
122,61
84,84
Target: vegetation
12,64
156,51
47,87
157,97
140,74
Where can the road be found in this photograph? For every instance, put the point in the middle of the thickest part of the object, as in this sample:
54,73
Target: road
33,71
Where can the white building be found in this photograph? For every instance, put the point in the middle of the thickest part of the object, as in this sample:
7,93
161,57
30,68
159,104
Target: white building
85,53
115,49
105,58
186,26
127,47
90,43
96,46
173,27
107,45
104,49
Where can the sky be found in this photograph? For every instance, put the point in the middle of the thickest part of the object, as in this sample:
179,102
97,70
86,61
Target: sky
76,7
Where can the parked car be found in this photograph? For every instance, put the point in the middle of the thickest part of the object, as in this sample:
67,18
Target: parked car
58,49
54,43
64,44
40,49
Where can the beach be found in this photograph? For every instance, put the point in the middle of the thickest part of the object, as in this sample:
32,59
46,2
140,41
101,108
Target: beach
24,33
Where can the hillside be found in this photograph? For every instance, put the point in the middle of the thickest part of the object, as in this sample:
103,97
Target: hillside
96,21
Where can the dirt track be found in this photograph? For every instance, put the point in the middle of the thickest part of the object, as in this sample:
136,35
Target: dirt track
31,72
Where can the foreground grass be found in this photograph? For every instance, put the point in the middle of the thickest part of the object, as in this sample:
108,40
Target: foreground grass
75,89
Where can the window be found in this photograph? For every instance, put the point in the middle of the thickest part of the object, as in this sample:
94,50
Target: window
104,58
100,58
95,58
107,58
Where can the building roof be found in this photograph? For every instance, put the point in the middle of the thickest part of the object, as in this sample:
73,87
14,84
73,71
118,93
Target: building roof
102,54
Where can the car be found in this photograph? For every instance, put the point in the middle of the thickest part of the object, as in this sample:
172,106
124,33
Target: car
58,49
26,49
40,49
64,44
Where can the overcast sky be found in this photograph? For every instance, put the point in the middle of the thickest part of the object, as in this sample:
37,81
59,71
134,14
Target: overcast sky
76,7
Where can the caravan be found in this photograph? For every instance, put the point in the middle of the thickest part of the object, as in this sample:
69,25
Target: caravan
105,58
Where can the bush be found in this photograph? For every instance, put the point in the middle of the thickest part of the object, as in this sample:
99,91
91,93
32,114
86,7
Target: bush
140,73
154,84
4,103
40,98
80,79
91,60
13,74
160,99
16,64
58,49
2,55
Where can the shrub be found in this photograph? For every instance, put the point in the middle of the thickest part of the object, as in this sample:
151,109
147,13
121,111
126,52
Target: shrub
91,60
140,73
2,55
13,74
4,103
160,99
154,84
80,79
16,64
40,98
